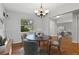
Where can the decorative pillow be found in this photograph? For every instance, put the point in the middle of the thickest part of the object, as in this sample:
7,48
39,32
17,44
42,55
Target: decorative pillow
55,43
4,40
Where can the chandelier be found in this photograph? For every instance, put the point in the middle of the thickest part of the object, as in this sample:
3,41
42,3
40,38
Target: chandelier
41,11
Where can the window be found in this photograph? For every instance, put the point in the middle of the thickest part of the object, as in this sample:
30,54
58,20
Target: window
26,25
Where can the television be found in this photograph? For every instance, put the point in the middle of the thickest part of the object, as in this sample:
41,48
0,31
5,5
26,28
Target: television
31,36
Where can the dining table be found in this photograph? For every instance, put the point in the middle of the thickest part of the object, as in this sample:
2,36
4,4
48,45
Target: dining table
44,39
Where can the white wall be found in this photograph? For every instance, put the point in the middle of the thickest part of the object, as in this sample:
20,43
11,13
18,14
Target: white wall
13,27
52,27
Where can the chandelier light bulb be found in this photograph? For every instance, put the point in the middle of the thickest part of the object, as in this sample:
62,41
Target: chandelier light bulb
57,16
46,11
36,11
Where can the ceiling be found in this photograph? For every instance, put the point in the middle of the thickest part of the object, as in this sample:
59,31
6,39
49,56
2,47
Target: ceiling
54,8
28,7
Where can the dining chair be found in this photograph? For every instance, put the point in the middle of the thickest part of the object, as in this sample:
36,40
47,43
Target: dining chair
30,48
56,43
44,47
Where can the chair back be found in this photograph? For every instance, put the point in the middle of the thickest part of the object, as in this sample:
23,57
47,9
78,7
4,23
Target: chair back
30,48
59,38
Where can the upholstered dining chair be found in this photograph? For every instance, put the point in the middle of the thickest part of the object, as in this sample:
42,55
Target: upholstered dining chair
56,43
43,43
30,48
44,47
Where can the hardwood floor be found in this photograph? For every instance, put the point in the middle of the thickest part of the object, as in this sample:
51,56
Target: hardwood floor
67,48
17,49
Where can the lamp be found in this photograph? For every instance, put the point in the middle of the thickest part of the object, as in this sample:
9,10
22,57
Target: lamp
41,11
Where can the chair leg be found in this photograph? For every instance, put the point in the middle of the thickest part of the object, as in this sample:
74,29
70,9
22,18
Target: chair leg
59,50
49,49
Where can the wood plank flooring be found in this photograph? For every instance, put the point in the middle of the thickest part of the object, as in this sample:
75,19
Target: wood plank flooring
67,48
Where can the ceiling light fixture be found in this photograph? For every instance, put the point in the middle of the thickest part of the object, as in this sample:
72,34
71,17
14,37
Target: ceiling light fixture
41,11
57,16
